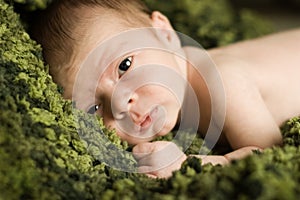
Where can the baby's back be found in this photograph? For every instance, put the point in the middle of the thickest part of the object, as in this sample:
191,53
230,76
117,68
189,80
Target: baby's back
272,63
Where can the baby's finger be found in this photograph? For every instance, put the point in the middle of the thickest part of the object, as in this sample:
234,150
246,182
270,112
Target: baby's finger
151,176
147,170
214,160
148,160
151,173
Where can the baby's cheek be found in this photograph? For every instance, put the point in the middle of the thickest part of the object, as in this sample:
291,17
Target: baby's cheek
167,128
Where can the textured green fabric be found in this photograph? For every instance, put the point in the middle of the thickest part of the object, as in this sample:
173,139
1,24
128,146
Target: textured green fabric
42,155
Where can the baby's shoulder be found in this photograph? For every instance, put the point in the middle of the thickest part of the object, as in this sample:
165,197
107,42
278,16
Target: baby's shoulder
209,60
229,66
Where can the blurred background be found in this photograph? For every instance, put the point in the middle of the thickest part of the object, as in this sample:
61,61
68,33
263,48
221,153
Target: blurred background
220,22
284,14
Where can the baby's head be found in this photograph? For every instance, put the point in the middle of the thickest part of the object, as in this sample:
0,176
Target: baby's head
91,45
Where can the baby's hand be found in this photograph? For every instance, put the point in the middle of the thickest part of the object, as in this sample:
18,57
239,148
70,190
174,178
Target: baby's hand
158,159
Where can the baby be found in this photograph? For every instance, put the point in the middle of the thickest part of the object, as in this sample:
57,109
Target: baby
245,91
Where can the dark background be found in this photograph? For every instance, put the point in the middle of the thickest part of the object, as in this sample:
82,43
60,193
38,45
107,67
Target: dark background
284,14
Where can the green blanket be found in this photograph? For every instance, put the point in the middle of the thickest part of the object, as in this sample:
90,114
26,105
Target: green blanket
42,155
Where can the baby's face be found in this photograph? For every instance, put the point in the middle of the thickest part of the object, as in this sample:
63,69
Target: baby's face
130,80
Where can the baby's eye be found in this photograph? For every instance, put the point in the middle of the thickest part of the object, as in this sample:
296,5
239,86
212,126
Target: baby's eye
92,110
125,65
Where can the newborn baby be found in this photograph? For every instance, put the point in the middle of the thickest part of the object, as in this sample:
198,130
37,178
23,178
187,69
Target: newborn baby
244,91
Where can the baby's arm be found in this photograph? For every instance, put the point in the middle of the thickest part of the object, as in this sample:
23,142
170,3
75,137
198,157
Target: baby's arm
160,159
249,124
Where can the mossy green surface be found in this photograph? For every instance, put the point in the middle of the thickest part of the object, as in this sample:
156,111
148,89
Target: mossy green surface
31,5
43,156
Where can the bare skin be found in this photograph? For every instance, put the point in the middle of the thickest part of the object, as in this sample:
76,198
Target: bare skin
261,83
261,80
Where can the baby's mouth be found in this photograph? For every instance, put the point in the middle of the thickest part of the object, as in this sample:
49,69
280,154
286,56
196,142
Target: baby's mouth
148,120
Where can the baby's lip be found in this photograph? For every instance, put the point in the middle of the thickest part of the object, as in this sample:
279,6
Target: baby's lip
148,119
146,122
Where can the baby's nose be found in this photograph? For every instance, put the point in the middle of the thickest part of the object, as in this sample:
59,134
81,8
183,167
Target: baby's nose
119,110
122,105
136,112
133,110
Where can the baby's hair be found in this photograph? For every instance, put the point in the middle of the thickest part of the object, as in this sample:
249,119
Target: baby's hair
58,28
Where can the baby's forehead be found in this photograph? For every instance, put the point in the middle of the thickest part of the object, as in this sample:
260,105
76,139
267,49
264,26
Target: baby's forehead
105,22
109,45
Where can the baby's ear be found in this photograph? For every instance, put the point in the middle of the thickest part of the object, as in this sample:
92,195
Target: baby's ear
160,21
164,28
